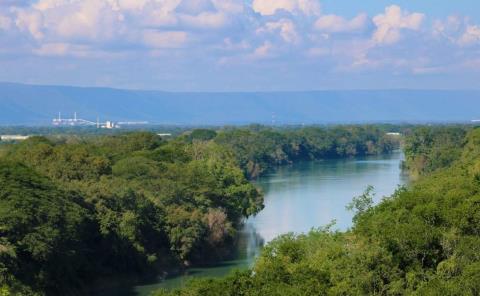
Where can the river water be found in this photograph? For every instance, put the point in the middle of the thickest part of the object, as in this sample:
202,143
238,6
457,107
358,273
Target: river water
297,198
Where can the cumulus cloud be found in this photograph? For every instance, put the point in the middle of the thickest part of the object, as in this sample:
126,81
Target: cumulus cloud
31,22
285,27
390,24
205,20
271,7
457,30
70,20
230,45
131,4
263,51
333,23
159,14
470,36
228,6
235,32
445,28
59,24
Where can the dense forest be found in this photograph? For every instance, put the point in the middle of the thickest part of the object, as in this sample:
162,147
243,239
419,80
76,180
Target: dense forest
258,149
429,148
422,240
78,208
74,211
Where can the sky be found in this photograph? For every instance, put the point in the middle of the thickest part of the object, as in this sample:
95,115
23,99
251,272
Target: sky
242,45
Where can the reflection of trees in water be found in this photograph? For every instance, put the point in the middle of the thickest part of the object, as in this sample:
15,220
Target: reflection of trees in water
249,243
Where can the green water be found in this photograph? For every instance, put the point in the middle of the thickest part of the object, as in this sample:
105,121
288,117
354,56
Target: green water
297,198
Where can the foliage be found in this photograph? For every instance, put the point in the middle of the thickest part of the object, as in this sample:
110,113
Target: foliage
423,240
75,210
430,148
202,135
259,149
78,207
42,231
361,204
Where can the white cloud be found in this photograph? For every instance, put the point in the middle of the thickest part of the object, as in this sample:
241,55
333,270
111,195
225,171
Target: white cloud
263,51
31,22
167,39
470,36
90,19
457,30
132,4
390,24
43,5
160,14
285,27
52,49
271,7
228,44
66,20
333,23
205,20
228,6
235,32
102,21
445,28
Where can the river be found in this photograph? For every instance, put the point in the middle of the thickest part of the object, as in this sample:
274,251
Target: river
297,198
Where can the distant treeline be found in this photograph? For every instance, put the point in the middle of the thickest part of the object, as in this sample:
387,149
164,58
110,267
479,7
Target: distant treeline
422,240
88,131
75,208
258,148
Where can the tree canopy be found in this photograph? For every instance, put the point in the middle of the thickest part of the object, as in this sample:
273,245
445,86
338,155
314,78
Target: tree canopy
422,240
76,208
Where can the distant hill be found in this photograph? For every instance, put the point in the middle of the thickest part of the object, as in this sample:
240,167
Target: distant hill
37,105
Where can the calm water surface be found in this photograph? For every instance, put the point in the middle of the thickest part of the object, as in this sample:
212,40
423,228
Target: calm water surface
297,198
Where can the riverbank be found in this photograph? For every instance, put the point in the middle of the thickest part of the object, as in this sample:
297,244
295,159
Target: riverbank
126,202
422,240
297,198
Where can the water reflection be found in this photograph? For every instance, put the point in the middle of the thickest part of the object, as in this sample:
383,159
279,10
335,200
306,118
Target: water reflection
312,194
249,244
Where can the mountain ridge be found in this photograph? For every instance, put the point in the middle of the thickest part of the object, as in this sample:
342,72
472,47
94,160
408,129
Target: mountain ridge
25,104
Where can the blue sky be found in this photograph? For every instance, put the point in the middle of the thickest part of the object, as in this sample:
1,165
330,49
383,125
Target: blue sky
241,45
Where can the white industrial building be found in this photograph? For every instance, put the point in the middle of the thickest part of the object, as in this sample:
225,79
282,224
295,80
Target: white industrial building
13,137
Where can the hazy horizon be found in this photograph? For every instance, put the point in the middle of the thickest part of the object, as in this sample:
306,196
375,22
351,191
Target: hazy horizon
240,91
38,105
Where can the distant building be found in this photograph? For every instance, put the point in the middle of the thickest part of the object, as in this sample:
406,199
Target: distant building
110,125
164,135
393,134
75,121
13,137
